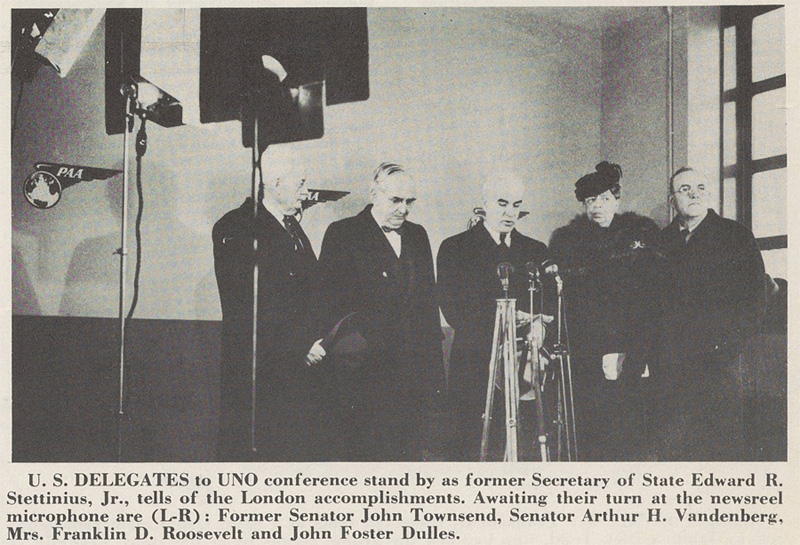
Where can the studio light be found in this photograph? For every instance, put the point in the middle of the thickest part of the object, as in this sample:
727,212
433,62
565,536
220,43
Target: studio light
67,36
150,101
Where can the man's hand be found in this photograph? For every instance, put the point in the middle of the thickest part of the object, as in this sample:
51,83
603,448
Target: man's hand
538,330
315,354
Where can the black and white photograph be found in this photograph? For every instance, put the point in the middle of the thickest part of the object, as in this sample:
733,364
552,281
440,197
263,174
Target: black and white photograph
304,235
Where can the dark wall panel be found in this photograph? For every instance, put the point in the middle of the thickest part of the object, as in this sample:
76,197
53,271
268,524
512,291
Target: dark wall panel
65,390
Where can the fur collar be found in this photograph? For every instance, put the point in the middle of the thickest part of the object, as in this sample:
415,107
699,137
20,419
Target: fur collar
583,242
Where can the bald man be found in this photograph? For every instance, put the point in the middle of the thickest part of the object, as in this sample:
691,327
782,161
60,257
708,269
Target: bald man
287,424
468,285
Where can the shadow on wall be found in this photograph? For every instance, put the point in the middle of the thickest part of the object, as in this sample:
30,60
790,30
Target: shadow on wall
25,300
91,287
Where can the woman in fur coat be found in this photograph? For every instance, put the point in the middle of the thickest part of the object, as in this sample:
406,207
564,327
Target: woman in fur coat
609,265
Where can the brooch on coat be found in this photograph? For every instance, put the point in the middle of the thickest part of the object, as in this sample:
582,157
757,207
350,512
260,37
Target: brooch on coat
637,245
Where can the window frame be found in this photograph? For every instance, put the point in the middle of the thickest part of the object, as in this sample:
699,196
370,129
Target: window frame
741,17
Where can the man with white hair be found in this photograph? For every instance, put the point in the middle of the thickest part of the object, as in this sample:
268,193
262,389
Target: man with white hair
379,265
288,333
714,302
468,285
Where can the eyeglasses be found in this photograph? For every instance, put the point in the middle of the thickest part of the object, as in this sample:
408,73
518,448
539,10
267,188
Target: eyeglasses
688,190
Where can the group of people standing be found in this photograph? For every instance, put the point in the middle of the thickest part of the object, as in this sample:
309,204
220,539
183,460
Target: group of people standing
349,346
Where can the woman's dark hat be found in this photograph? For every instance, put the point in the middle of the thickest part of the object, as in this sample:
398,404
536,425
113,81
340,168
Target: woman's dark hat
605,177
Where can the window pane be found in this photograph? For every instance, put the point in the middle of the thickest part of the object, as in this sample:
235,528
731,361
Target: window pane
769,123
769,49
729,133
769,203
729,198
729,54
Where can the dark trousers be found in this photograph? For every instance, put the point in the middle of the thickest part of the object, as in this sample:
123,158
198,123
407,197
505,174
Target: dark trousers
378,411
702,409
609,414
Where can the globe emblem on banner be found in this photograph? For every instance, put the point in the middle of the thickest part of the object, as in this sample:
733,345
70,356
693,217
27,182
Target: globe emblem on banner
42,189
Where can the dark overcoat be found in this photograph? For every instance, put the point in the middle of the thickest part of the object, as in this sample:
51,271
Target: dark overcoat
288,324
612,304
384,401
714,302
468,286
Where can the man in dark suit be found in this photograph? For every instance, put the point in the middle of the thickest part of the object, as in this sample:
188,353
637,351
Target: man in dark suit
468,285
379,265
286,376
715,300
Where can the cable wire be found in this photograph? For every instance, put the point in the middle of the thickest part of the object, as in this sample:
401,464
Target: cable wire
141,149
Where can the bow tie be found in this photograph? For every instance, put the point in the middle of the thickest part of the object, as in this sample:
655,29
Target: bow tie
398,230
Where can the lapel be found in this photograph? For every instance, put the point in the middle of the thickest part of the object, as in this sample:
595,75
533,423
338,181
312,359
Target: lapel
705,227
273,230
274,225
672,235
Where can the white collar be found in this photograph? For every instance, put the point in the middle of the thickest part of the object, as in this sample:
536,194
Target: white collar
273,208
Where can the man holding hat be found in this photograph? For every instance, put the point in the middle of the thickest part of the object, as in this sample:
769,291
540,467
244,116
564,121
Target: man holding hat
286,426
378,265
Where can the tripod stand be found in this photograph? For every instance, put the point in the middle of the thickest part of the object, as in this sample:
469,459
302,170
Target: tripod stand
503,362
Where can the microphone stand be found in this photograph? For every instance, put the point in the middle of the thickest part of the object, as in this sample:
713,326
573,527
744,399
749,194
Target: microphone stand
566,405
535,285
504,347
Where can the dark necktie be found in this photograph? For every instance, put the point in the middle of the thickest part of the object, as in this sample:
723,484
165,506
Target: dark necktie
685,232
293,228
503,237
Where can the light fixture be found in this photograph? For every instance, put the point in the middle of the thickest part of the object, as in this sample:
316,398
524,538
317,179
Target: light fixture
67,36
151,102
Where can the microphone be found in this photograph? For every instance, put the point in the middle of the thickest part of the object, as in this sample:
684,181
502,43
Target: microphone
504,270
550,267
534,274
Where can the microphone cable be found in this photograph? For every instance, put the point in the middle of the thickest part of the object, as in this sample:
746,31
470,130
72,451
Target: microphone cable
16,110
141,149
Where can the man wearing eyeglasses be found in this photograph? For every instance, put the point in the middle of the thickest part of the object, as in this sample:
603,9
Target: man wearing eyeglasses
714,302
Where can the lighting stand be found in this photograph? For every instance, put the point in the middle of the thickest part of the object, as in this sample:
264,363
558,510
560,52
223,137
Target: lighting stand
129,92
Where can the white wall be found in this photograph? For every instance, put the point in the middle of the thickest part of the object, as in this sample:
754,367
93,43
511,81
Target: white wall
703,77
634,126
454,94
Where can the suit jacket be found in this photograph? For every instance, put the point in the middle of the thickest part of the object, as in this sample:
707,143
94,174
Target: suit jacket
394,296
385,407
715,290
468,285
288,324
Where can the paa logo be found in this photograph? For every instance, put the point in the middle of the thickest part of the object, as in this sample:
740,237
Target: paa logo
43,188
